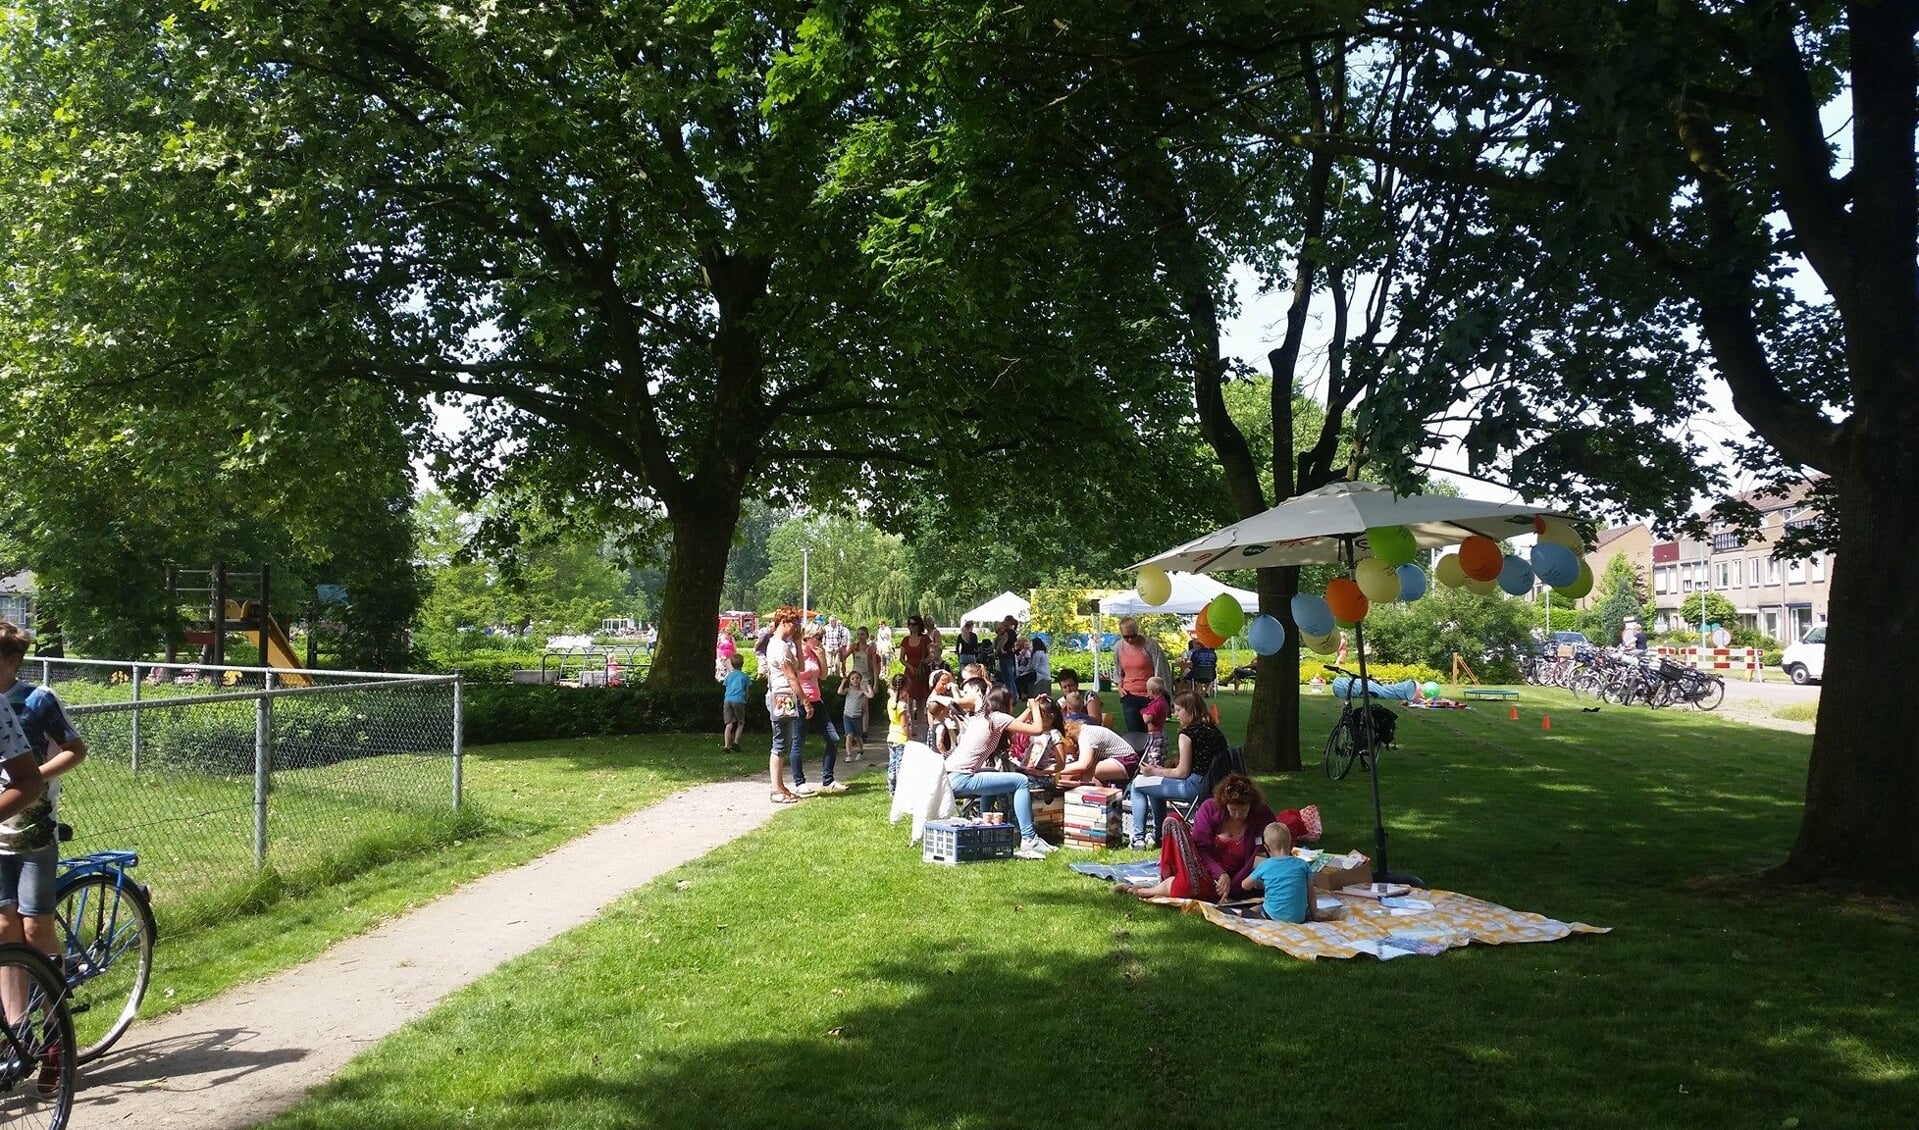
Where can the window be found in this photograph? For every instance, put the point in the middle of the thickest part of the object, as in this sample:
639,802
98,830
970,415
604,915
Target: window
1723,542
1818,566
1796,571
1772,573
1662,579
1752,571
1722,575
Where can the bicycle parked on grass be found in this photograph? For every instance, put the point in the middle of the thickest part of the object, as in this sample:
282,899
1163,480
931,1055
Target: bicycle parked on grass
107,934
36,1043
1350,743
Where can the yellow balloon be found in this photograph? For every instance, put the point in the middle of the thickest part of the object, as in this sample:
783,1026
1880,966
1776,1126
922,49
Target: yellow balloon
1323,645
1450,572
1483,588
1378,580
1155,587
1562,533
1581,586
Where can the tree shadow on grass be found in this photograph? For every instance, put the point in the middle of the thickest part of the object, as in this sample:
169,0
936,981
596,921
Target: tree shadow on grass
1227,1034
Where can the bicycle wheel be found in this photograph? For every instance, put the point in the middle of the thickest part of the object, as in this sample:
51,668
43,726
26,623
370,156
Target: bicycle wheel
107,934
1339,751
1709,694
36,1045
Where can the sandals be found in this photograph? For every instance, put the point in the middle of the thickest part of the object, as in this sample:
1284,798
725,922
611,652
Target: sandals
784,798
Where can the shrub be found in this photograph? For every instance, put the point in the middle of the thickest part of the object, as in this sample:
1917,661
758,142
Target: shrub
539,713
1378,672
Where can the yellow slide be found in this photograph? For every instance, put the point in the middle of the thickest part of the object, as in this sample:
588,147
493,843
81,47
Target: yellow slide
277,650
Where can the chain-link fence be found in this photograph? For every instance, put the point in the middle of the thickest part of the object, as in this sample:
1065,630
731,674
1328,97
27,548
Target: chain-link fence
220,777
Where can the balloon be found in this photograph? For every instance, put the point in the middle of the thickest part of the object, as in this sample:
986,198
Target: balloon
1323,644
1412,582
1515,576
1312,615
1155,587
1203,630
1266,634
1556,531
1483,588
1378,580
1225,615
1431,690
1449,572
1581,586
1392,544
1480,558
1346,600
1554,564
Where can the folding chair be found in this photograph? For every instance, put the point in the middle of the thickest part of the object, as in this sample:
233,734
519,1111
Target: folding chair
1232,761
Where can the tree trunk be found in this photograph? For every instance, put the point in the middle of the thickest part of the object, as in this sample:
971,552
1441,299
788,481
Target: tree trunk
1860,826
690,598
1272,731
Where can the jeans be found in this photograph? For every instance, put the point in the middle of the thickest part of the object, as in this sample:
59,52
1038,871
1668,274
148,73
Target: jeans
998,784
895,751
822,724
789,735
1009,674
1130,707
1156,796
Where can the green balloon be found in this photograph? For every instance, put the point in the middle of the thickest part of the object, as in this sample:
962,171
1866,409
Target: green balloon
1392,544
1224,615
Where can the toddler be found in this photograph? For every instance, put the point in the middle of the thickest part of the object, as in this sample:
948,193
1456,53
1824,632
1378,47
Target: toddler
1154,714
733,706
942,725
898,726
854,716
1285,879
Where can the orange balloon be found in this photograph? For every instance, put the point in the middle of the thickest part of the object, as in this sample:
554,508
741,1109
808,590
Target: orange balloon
1480,559
1203,631
1346,600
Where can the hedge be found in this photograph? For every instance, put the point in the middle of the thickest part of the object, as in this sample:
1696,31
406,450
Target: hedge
1378,672
537,713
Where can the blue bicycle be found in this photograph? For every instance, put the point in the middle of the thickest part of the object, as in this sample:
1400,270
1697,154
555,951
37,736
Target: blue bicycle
106,938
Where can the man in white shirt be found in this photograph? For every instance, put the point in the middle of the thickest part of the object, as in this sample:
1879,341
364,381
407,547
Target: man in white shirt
883,639
837,640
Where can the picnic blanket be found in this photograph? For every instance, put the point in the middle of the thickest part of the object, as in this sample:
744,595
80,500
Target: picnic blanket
1425,922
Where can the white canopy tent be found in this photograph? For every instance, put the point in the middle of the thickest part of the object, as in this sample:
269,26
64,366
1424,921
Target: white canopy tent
1191,592
999,608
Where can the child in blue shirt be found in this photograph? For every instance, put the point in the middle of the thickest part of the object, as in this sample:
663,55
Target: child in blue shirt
733,707
1286,879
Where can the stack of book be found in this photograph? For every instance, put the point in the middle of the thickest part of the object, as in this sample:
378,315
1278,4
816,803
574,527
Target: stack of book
1049,815
1093,818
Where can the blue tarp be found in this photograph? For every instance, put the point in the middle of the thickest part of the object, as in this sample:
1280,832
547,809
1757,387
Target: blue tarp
1403,692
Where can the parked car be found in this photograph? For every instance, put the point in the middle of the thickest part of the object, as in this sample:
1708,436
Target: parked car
1805,661
1558,640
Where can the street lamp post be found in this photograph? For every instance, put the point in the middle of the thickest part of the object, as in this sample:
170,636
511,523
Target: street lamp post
806,579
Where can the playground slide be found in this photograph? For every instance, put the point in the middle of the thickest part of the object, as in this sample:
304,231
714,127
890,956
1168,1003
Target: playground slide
276,650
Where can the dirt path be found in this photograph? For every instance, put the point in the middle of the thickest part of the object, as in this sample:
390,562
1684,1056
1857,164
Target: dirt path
252,1052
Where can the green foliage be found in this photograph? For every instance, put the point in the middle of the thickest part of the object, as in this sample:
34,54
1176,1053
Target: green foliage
544,713
1313,666
852,569
1719,610
1491,632
1619,596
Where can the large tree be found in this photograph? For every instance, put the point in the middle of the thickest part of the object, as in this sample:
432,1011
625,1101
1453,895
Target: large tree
1745,173
595,228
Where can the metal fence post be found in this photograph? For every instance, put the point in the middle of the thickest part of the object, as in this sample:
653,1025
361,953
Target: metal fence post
133,760
459,736
262,763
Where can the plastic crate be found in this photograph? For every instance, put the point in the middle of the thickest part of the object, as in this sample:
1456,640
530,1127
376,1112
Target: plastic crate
953,842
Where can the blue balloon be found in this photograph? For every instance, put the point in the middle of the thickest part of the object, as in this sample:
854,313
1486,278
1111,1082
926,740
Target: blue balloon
1266,634
1412,582
1515,576
1313,615
1555,565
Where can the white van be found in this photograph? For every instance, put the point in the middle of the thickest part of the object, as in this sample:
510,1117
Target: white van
1805,661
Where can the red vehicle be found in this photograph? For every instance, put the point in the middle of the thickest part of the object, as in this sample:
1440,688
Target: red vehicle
745,624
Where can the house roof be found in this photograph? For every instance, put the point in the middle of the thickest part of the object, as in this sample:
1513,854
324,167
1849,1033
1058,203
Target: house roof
21,582
1607,536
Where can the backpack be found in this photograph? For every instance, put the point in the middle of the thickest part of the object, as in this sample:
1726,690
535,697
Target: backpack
1385,725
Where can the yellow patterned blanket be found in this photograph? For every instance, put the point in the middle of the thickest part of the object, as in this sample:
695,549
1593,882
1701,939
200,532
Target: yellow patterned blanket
1424,922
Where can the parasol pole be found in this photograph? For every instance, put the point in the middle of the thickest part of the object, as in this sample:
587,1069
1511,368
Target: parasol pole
1381,873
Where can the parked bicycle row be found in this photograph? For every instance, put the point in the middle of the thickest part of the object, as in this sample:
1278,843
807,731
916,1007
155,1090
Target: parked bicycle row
1624,678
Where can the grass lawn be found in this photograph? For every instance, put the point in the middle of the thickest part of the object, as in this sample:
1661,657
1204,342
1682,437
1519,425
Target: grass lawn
816,973
522,800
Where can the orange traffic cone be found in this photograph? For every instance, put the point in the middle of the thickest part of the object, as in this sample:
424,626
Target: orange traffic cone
1512,713
1545,721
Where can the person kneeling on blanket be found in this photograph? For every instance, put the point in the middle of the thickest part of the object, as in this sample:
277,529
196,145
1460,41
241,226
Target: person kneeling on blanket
1288,883
1211,860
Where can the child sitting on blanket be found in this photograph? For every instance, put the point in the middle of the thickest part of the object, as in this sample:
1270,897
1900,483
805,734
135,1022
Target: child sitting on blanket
1289,883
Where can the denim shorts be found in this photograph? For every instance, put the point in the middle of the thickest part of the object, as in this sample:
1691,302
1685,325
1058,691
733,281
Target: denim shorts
852,727
26,880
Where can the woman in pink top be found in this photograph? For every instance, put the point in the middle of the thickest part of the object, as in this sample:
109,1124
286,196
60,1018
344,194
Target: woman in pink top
1210,862
819,720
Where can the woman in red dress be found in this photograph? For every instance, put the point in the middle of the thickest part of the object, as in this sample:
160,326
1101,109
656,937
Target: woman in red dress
1211,860
917,659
